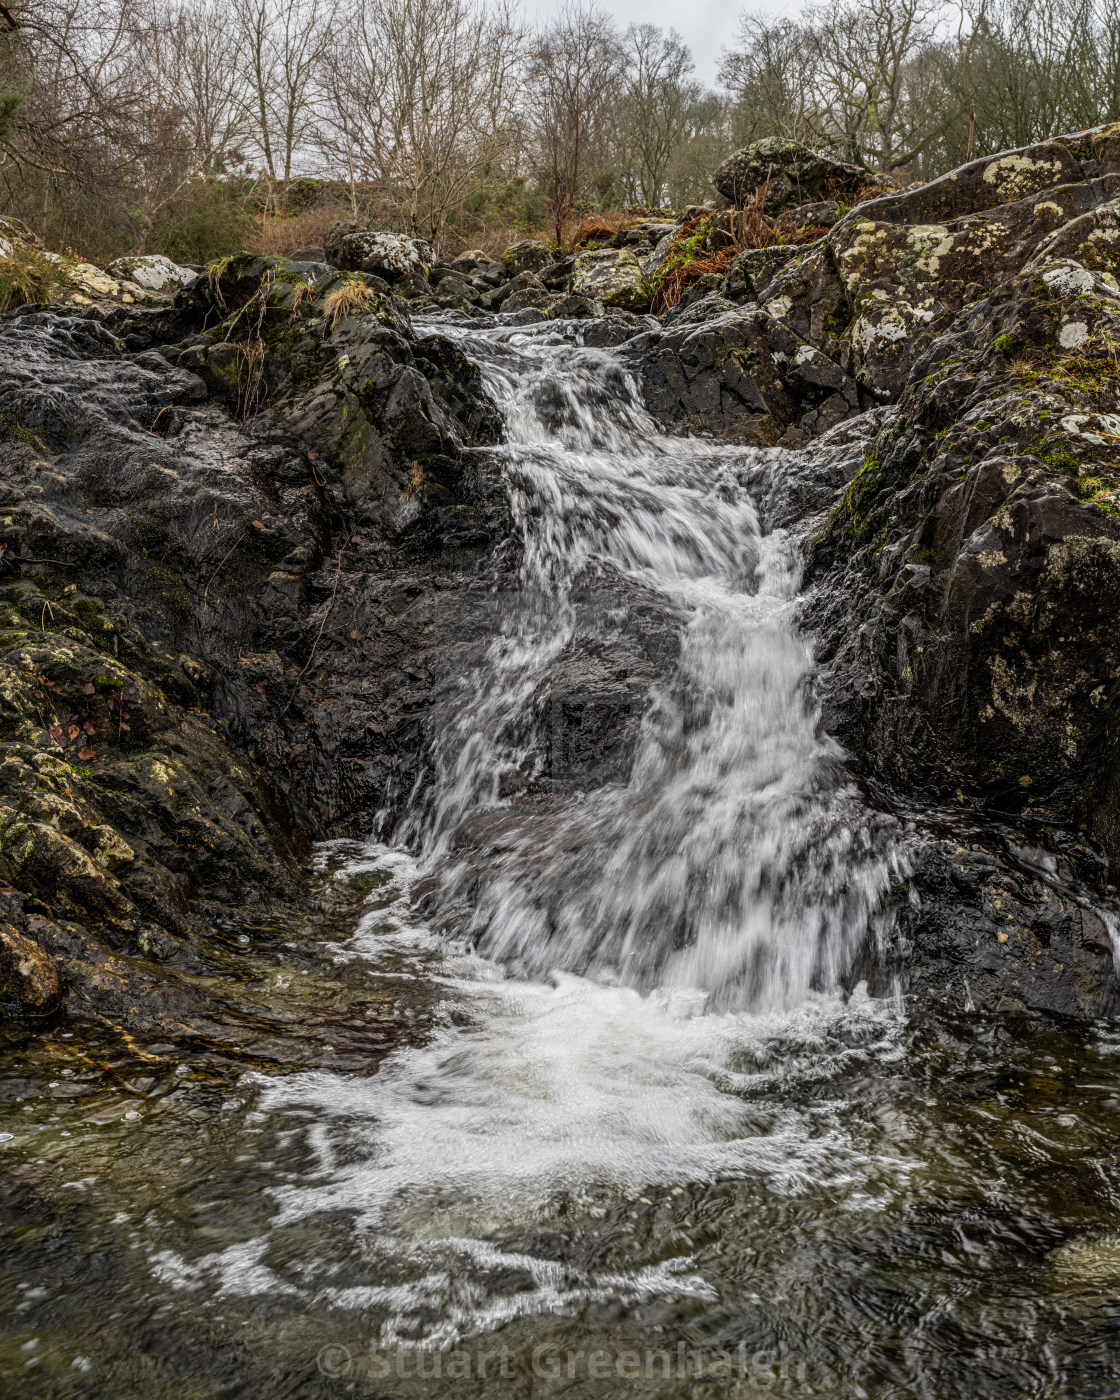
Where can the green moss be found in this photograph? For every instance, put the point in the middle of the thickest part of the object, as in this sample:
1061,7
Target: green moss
91,613
170,587
850,515
747,360
14,431
108,682
1006,344
837,321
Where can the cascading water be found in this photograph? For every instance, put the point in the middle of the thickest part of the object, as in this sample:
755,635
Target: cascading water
657,1143
676,940
738,861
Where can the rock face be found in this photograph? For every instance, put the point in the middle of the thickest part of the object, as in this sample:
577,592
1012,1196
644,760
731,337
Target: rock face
228,497
793,175
980,542
967,599
888,279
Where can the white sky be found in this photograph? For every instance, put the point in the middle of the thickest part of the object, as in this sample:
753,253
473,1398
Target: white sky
705,25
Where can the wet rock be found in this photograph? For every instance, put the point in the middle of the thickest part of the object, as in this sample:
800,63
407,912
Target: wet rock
305,498
29,982
455,291
557,277
742,375
525,290
711,284
997,928
523,282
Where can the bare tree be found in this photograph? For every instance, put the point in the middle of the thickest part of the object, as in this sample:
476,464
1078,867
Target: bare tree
193,54
281,43
574,68
864,52
770,76
657,99
419,97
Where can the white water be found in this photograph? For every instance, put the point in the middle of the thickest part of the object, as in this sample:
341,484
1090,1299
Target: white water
739,859
642,969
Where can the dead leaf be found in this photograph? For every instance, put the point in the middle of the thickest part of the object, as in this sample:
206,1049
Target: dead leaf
56,733
259,686
125,728
257,525
87,754
36,923
90,727
355,634
73,731
88,688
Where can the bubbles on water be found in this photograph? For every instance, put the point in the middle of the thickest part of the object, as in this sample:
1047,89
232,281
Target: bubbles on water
572,1087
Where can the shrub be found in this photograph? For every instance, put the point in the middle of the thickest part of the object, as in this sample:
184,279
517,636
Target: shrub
28,274
204,221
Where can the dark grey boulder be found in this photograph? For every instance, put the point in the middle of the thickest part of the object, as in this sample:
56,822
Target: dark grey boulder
792,173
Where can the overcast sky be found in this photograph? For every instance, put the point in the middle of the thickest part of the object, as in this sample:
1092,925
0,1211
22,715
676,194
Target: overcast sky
706,25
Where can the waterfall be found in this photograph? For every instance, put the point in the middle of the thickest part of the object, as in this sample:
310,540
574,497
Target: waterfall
640,975
738,860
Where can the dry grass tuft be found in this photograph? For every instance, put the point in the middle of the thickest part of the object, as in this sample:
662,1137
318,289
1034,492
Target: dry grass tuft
28,274
599,228
304,292
351,299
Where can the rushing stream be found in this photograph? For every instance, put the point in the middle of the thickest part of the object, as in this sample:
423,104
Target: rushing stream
661,1140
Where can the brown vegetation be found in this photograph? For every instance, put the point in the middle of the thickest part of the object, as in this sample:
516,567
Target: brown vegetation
691,259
